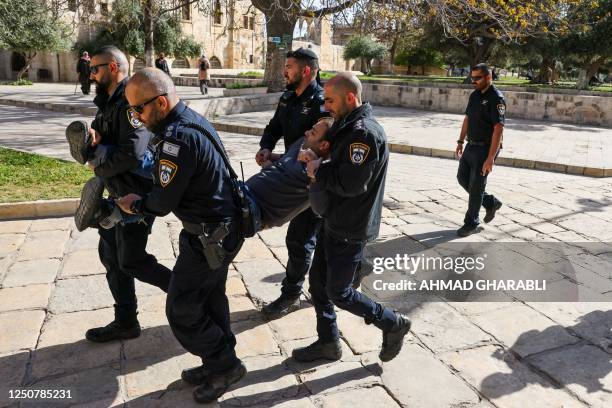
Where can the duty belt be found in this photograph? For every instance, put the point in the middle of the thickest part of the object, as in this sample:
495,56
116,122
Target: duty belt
211,236
474,143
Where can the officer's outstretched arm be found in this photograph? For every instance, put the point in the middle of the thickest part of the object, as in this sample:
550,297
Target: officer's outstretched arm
351,172
173,171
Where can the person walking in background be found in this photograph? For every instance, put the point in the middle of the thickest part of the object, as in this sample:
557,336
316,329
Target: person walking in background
162,64
203,74
82,70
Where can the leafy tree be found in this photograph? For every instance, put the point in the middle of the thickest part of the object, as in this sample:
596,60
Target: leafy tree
281,17
366,49
28,27
420,57
126,30
588,38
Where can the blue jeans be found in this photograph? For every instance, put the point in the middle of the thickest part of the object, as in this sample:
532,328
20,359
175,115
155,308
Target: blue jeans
470,178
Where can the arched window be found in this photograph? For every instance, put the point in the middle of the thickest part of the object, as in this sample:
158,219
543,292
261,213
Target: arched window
215,63
180,63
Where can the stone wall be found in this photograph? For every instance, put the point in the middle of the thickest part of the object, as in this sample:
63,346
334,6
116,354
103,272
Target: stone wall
556,107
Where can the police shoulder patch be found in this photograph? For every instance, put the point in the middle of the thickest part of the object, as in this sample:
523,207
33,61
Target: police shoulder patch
167,171
501,108
358,152
133,119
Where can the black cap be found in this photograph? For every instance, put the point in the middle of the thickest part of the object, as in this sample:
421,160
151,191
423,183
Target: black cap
302,53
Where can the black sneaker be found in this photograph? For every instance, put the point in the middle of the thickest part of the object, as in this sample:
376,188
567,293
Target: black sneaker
90,204
466,230
285,304
112,331
491,212
79,140
216,384
196,375
394,339
319,350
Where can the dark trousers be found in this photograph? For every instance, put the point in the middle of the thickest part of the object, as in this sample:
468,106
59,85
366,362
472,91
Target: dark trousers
331,277
301,241
204,86
197,307
123,253
470,178
85,86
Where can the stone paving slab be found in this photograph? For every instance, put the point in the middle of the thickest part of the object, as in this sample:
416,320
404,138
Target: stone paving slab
473,355
530,144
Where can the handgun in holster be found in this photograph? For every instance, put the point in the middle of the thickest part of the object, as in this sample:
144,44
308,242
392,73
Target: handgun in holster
212,245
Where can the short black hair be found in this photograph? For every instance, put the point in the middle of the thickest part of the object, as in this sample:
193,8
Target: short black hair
482,67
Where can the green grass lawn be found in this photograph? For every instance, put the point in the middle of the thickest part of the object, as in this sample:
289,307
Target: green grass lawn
27,177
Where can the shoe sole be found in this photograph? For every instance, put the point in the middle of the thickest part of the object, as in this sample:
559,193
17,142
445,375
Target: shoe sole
488,220
327,358
401,343
475,231
274,316
123,337
226,384
78,138
91,199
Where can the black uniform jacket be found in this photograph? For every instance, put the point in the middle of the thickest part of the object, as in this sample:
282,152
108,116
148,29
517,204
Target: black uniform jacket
294,115
121,158
354,176
191,178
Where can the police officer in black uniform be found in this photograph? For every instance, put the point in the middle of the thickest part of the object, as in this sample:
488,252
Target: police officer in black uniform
354,179
483,125
192,181
119,156
299,108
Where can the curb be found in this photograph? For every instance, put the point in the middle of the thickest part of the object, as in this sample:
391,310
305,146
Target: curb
56,107
450,154
42,208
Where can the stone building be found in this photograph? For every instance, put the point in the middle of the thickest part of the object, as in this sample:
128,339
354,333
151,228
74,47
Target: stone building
231,32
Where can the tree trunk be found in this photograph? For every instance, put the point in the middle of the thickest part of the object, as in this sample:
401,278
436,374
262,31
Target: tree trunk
28,61
478,52
392,52
149,28
587,72
545,75
278,25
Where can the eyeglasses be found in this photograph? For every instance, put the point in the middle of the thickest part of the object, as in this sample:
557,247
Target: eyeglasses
477,78
95,68
140,108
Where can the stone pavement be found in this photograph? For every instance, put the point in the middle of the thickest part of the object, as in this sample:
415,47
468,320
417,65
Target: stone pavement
556,146
542,145
486,354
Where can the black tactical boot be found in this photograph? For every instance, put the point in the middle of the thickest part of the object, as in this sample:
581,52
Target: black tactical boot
491,212
196,375
79,140
285,304
90,203
393,339
319,350
113,331
216,384
466,230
